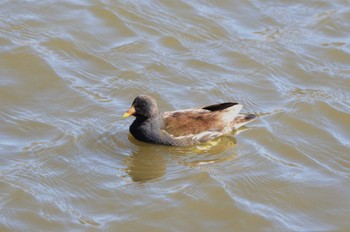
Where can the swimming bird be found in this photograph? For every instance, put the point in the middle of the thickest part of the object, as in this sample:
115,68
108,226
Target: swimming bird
184,127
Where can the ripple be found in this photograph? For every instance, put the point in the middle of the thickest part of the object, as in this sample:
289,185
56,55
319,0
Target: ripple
173,43
315,95
69,70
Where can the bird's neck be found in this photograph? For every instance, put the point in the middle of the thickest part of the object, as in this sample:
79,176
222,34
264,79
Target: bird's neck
153,119
147,124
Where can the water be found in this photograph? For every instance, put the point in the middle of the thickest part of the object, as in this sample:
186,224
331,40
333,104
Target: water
70,69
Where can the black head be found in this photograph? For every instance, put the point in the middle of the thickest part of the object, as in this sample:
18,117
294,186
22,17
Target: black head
144,106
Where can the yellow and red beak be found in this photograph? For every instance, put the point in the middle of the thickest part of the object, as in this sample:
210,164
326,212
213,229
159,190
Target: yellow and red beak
131,111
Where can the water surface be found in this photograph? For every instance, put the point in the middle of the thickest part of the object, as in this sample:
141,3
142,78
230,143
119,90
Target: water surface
70,69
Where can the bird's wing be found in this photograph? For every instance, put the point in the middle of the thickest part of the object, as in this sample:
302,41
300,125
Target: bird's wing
209,119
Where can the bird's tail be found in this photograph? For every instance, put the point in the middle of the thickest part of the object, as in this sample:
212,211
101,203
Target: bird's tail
241,120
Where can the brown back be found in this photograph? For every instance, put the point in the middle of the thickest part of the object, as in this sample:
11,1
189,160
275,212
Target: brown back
194,121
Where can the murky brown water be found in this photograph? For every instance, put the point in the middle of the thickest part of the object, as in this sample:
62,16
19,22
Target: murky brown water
70,69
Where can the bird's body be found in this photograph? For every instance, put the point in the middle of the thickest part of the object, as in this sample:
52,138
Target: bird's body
184,127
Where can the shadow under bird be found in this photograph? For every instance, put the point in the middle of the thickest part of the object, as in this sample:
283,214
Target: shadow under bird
184,127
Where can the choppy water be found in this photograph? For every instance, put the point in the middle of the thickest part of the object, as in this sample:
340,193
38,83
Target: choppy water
70,69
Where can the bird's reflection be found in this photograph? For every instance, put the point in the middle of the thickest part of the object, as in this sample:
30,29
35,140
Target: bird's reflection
149,162
146,163
215,151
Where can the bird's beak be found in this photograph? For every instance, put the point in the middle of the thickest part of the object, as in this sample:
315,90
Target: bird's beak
131,111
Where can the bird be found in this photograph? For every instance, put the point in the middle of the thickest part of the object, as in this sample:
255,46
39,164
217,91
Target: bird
184,127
